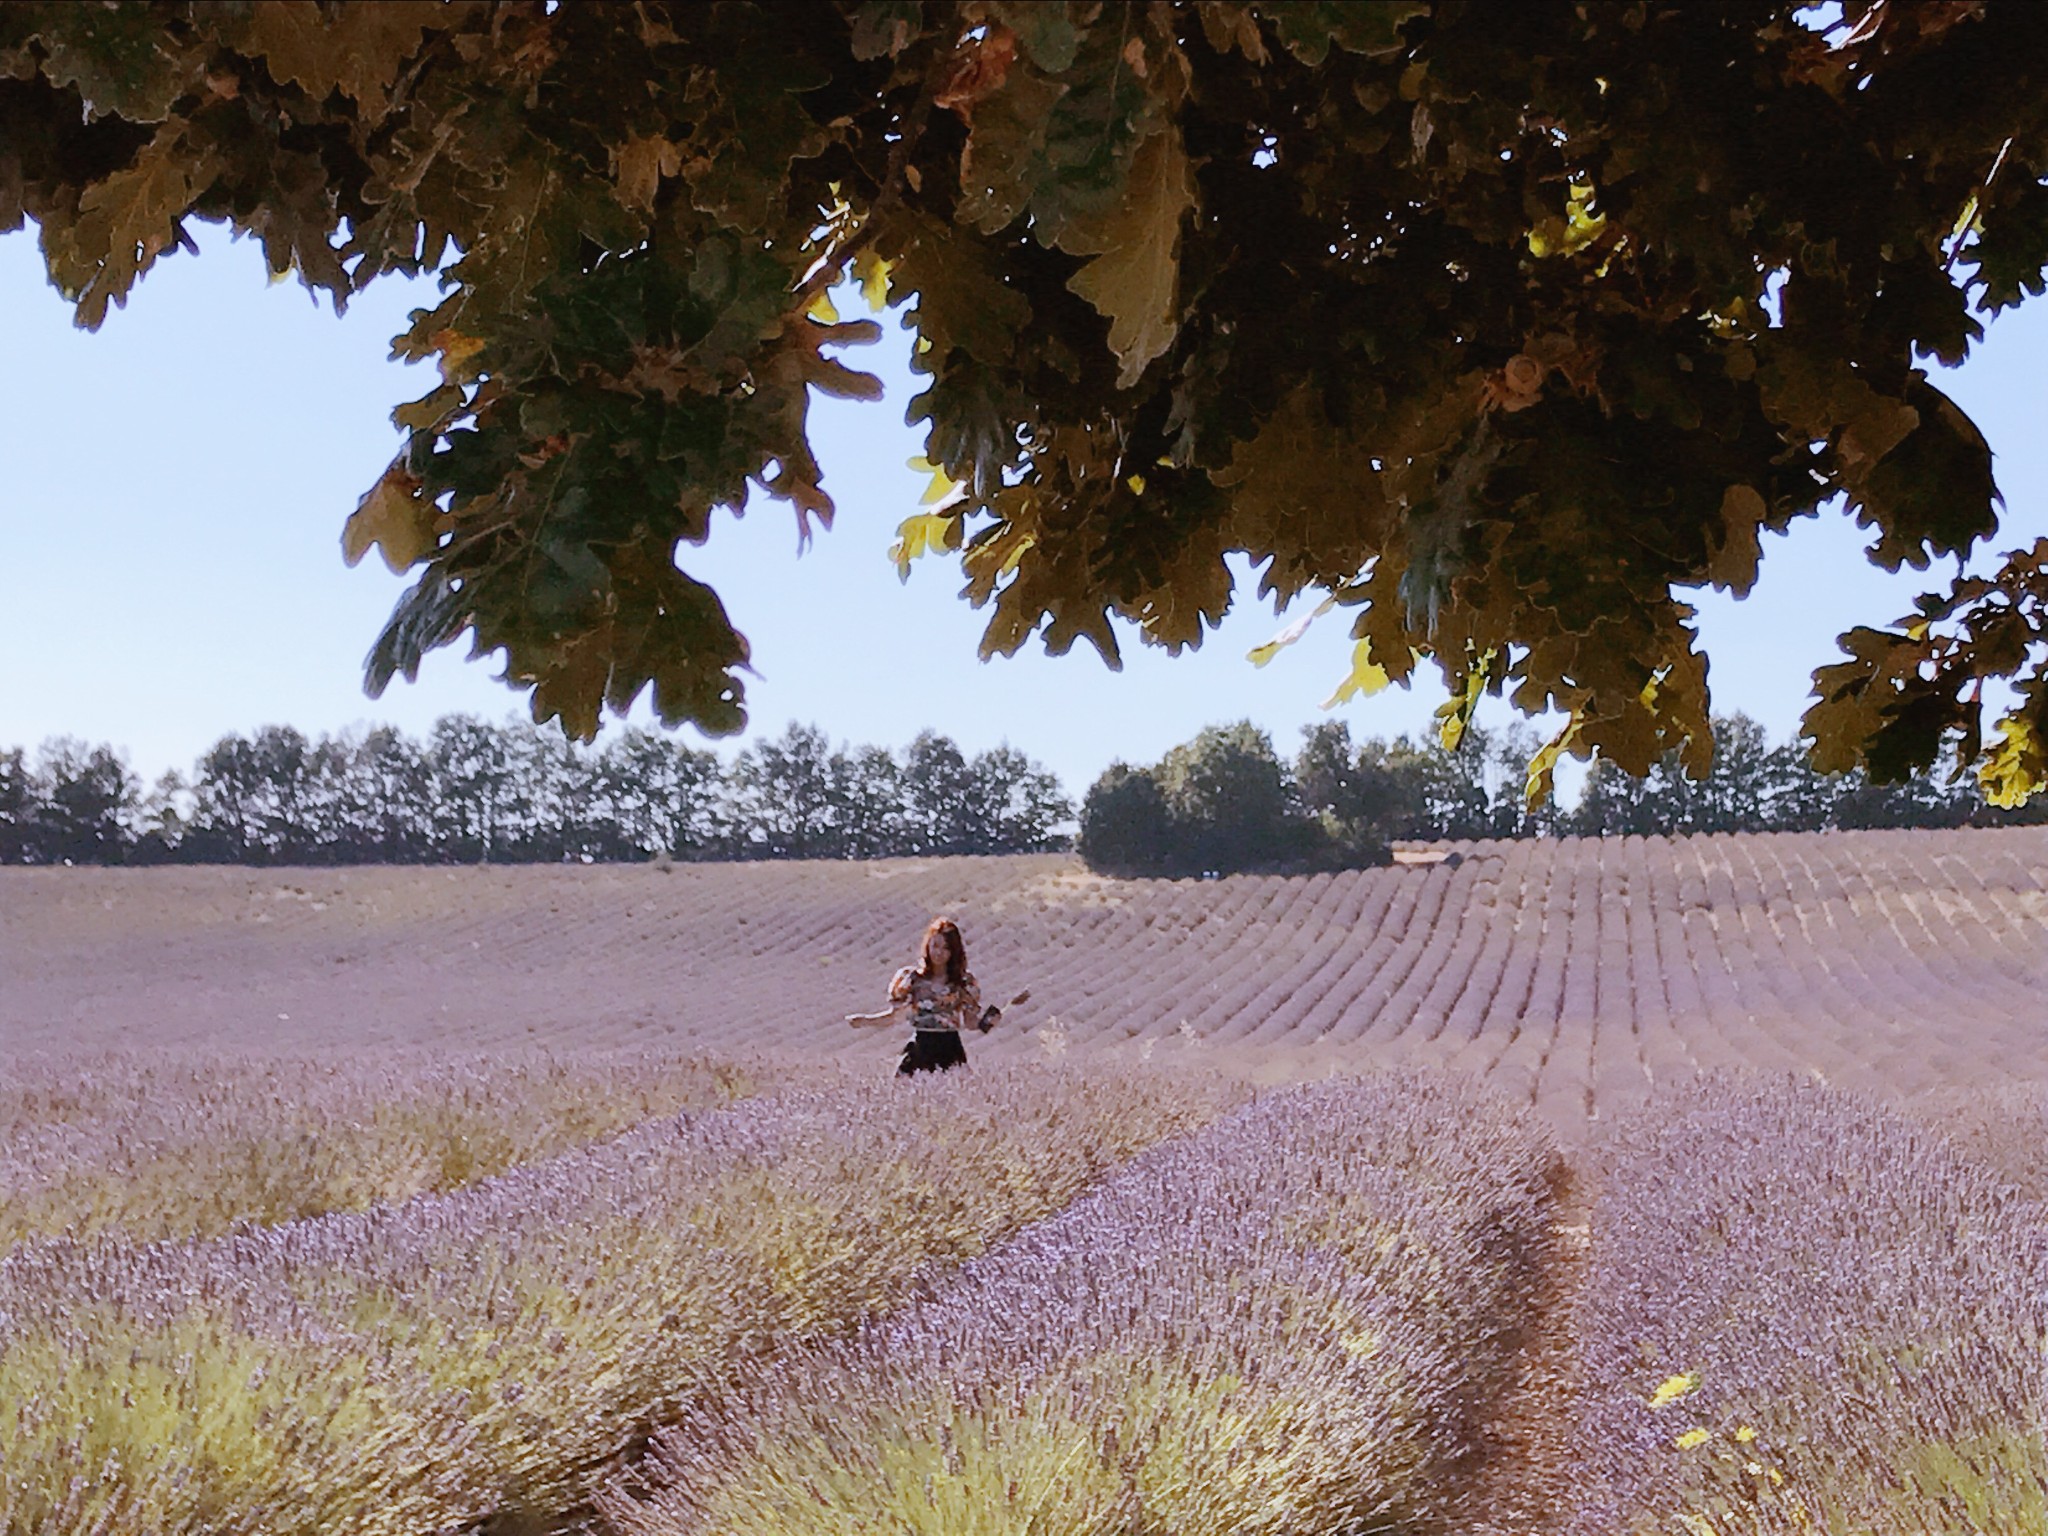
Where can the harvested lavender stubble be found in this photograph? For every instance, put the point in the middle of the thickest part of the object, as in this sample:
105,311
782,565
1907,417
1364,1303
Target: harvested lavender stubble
1302,1319
1807,1314
420,1366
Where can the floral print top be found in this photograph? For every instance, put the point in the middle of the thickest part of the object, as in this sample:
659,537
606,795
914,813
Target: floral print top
936,1003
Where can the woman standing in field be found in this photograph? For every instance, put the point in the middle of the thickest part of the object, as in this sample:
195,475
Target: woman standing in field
939,997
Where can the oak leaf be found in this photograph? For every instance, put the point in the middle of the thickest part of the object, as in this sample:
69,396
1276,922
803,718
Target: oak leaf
395,518
1134,281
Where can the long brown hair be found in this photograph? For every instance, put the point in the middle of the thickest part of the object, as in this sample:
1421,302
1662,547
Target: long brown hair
956,951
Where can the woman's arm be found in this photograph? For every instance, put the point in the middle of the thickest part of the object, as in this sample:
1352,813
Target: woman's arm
874,1020
899,1002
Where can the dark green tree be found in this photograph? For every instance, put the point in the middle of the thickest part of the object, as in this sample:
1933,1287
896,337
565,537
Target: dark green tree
481,809
784,797
1234,804
1012,804
1127,828
20,807
664,797
87,801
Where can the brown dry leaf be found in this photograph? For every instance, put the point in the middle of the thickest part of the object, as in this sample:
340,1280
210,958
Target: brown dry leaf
457,353
1134,279
356,49
129,217
638,166
393,517
980,72
1732,563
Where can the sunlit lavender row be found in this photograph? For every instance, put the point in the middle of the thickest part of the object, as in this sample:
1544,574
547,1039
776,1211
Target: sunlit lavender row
1305,1319
154,1145
488,1351
1805,1314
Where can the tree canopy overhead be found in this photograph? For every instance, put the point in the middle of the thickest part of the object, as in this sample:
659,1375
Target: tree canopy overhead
1498,326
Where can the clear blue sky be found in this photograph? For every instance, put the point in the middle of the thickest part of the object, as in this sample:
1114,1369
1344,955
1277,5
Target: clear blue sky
175,487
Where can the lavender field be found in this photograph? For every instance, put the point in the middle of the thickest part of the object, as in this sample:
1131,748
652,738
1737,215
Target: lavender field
1578,1189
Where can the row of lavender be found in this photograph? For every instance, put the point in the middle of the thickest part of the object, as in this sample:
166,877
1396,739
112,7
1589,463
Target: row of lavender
1311,1317
1342,1308
157,1145
1339,1311
420,1365
1806,1314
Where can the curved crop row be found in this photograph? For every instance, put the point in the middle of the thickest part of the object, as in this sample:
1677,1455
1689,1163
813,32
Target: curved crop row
1304,1319
483,1353
1578,973
1806,1315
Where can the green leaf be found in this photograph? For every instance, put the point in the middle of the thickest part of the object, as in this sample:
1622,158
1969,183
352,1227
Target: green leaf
1733,557
884,28
1308,27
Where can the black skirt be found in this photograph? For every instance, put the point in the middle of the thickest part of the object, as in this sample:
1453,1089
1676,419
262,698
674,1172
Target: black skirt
932,1050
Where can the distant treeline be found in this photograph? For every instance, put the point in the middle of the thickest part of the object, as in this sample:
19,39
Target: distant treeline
1226,801
477,792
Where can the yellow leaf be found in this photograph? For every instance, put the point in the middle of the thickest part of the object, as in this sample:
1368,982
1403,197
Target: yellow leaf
922,534
394,518
1675,1387
1456,712
943,487
2015,767
1259,655
822,308
872,272
1691,1438
1366,677
1745,1434
1541,781
1579,227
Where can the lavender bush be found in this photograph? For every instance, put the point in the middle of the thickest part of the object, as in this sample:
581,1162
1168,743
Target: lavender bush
483,1353
153,1146
1807,1315
1301,1320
